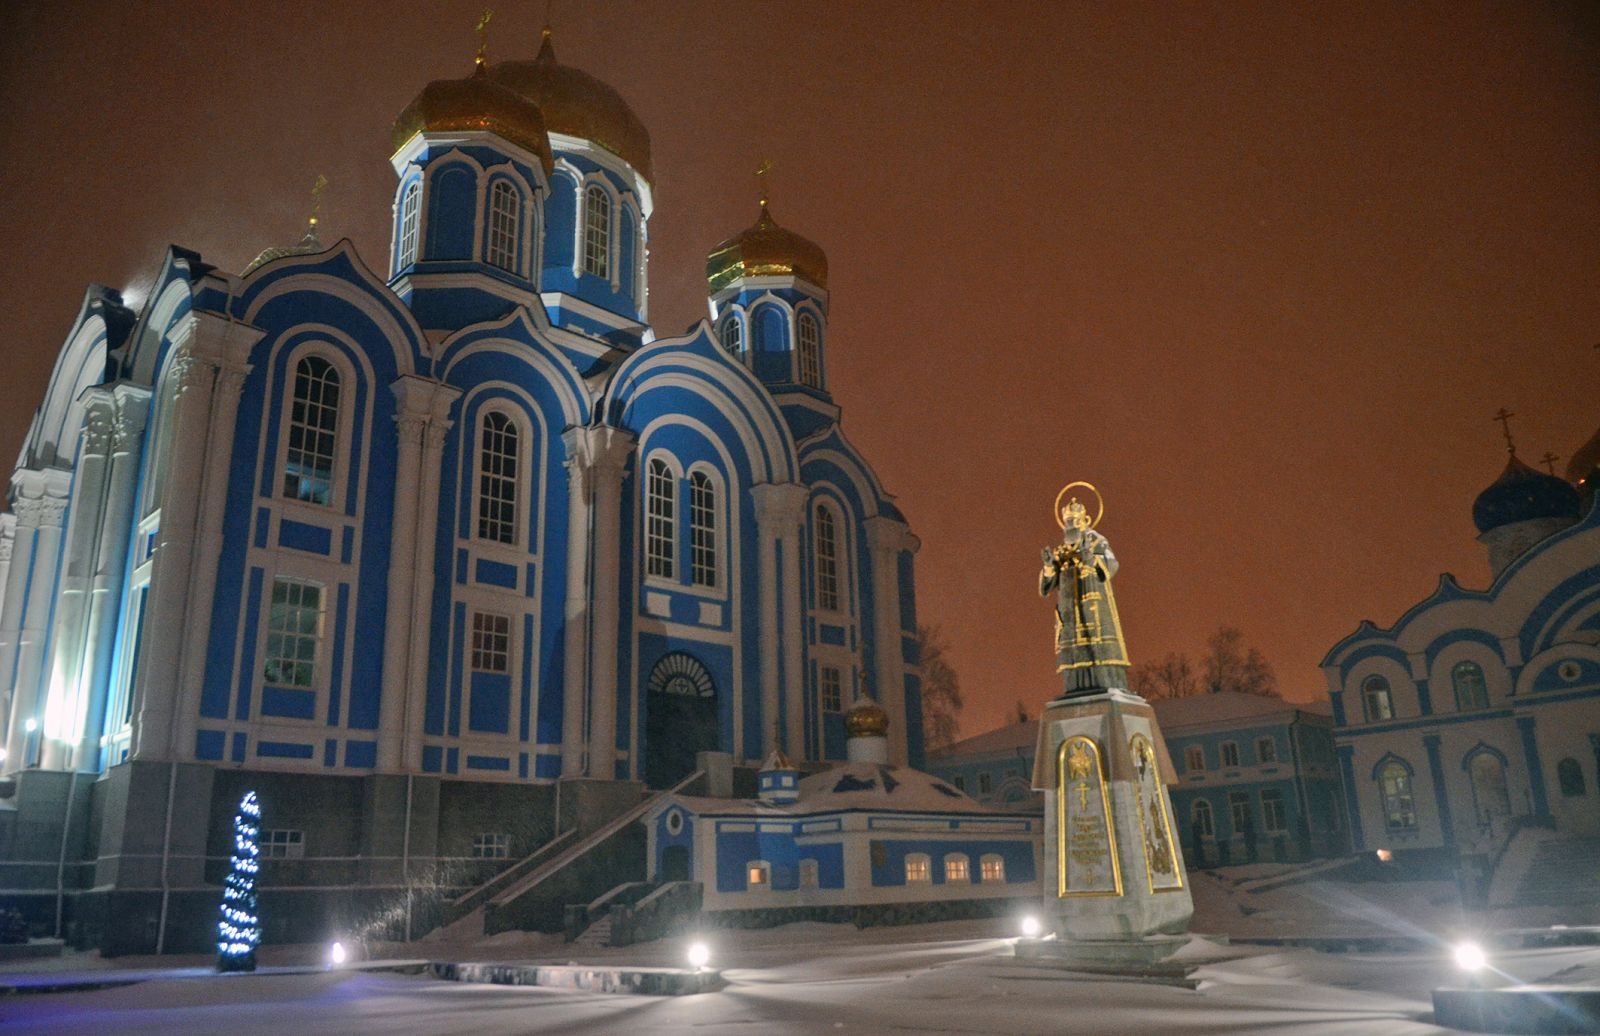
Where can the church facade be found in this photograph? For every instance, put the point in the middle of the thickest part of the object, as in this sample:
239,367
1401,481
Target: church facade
467,525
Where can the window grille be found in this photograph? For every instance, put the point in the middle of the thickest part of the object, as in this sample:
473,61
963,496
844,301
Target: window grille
313,431
702,530
498,448
597,232
294,631
827,561
491,643
660,531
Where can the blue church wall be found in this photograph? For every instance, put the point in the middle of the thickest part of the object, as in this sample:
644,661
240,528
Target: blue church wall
1570,596
451,197
769,344
560,229
737,848
889,858
564,214
627,273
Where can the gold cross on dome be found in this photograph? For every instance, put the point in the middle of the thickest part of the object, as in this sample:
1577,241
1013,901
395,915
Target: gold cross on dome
762,171
316,198
482,30
1504,417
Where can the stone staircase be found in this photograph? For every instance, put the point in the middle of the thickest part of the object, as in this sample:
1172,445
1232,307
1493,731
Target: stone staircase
1565,871
596,935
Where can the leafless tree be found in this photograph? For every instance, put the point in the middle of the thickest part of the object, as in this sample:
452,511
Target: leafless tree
941,691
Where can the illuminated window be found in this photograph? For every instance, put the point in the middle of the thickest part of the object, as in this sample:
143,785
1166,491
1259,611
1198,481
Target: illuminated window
733,335
1377,700
491,643
1399,810
759,875
808,874
831,689
283,844
992,868
1272,814
497,478
810,352
827,560
702,530
919,870
1194,758
1266,750
955,868
313,432
491,845
597,231
1471,691
294,631
505,217
1230,754
660,522
410,213
1200,819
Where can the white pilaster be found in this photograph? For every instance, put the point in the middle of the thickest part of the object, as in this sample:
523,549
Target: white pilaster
41,503
413,397
575,669
422,631
780,513
608,450
886,539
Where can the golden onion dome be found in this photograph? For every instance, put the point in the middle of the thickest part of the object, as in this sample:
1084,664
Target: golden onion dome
579,105
866,718
765,250
476,103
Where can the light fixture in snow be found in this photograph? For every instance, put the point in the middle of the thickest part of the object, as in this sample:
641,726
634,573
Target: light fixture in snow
699,955
337,954
1470,956
31,725
1030,927
1385,855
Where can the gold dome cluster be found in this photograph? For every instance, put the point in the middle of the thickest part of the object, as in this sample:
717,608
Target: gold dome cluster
476,103
577,104
766,250
866,718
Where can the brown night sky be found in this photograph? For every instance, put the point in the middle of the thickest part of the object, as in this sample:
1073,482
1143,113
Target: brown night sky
1262,271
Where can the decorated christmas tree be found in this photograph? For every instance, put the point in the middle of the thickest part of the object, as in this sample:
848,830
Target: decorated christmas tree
239,930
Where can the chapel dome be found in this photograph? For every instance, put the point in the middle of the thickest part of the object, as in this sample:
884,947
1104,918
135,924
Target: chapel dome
476,103
766,250
1523,494
1584,462
577,104
866,718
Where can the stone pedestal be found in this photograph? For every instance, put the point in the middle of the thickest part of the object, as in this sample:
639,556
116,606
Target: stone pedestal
1115,888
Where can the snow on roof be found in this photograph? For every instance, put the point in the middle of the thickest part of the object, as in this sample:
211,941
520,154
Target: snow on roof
852,786
1227,707
1002,739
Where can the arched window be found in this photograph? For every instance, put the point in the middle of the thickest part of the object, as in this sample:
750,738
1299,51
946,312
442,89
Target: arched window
919,870
499,443
1200,819
992,867
1570,776
597,231
702,530
1399,810
810,352
1471,692
1194,759
1377,700
733,335
827,560
957,868
410,213
505,220
313,432
660,525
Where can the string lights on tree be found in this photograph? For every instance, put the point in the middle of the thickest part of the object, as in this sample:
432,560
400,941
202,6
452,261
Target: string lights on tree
239,929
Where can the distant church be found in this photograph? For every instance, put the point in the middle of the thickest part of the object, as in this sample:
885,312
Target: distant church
402,552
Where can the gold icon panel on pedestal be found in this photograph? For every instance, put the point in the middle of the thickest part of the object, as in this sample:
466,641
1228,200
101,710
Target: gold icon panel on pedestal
1155,822
1086,847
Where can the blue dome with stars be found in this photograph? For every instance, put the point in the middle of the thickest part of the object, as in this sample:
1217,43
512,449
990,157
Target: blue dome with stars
1523,494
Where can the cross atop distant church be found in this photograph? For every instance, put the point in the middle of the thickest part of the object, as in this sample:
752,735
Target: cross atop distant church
1549,461
1504,417
316,200
482,30
762,172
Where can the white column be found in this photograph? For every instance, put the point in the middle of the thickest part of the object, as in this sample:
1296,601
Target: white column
780,509
610,449
42,504
413,396
23,529
131,410
575,668
886,539
422,631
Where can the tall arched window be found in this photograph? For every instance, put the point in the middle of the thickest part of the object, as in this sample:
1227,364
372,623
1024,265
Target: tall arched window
1202,821
313,432
1471,692
660,526
597,231
733,334
1377,700
827,545
505,220
498,450
1399,810
410,213
1570,776
810,352
702,530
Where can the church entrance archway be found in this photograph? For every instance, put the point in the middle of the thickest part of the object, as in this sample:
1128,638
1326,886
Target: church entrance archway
680,718
1489,795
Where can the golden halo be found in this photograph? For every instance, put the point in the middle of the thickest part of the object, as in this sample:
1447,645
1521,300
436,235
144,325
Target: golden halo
1099,500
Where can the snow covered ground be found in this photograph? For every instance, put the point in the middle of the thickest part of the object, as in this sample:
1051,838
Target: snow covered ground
957,977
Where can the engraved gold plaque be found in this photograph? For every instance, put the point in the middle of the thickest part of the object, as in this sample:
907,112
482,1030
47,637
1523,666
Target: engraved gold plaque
1086,847
1161,867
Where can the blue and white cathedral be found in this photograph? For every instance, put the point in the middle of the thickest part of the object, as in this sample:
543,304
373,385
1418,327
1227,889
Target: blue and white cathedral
462,521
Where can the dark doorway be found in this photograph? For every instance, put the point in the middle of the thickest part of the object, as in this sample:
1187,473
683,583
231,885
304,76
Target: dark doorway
680,718
675,863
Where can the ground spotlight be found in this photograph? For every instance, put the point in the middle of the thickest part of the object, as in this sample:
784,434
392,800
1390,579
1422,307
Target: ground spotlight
1385,855
1030,927
337,954
1469,956
699,955
31,725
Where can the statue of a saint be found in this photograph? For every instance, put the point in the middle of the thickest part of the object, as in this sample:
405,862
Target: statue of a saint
1090,653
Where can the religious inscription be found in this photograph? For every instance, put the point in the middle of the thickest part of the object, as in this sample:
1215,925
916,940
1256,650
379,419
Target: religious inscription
1085,845
1155,821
